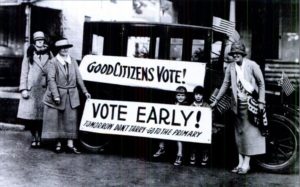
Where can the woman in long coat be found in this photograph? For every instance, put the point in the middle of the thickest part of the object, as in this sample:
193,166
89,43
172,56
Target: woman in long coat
245,77
62,98
33,86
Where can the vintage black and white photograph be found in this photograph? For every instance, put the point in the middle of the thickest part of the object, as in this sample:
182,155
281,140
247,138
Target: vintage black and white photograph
149,93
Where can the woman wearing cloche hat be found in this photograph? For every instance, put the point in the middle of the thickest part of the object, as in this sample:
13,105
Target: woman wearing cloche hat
62,98
33,86
245,78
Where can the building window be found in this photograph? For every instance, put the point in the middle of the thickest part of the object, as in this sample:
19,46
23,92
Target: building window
138,47
176,48
97,46
289,42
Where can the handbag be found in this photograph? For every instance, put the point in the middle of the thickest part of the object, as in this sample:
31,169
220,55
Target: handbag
252,105
258,117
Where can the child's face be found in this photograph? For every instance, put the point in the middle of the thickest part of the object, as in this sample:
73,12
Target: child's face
198,97
180,97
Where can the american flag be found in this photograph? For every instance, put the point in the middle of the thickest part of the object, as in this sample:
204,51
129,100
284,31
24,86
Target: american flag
224,103
223,26
235,36
286,86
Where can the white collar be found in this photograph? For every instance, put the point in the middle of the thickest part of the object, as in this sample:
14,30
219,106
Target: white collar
241,67
63,61
198,104
240,70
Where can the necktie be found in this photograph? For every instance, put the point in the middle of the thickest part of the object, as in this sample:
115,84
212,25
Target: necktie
66,66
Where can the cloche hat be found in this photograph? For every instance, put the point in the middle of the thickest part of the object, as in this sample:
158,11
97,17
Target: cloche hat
38,35
63,43
181,89
238,47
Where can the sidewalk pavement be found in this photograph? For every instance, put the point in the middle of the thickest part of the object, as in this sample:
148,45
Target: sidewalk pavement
11,127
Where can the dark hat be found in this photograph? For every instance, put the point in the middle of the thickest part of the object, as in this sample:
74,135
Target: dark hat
238,47
38,35
199,90
181,89
63,43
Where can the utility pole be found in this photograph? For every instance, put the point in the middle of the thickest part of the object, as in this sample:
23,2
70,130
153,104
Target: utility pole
27,25
230,39
232,11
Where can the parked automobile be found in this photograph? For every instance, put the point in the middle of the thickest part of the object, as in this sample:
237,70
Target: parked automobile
183,43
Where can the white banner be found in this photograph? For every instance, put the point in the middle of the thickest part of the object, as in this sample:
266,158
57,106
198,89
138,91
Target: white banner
162,121
141,72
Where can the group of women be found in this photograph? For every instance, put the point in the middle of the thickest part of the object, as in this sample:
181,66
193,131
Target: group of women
49,93
50,98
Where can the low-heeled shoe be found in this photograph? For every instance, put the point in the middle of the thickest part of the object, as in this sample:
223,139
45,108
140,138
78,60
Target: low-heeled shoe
72,150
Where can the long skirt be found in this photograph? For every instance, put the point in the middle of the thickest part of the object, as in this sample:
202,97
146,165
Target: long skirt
248,138
60,123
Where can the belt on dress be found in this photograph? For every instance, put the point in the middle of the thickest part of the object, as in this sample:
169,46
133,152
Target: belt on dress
64,87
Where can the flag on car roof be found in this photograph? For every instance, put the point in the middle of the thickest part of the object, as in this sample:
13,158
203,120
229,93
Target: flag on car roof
225,27
235,36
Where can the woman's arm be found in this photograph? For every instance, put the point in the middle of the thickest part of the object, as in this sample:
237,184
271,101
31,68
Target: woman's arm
51,72
80,82
226,83
24,72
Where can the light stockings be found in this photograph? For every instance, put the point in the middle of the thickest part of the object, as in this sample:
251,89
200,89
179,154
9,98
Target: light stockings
179,147
244,161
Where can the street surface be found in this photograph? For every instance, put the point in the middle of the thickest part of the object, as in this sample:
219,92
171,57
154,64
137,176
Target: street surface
23,166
